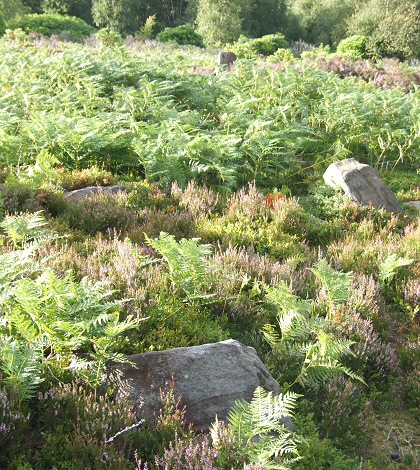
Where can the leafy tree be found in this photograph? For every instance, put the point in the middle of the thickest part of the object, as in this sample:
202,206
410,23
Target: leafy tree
2,24
169,13
220,21
12,8
79,8
122,16
35,6
265,17
323,21
393,27
55,6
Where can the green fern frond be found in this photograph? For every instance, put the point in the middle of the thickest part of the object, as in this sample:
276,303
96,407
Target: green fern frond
16,263
319,370
388,268
188,262
334,348
282,296
20,229
336,283
22,367
258,428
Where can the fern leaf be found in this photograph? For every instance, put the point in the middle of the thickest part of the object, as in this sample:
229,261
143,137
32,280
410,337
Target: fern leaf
22,228
22,367
188,262
258,427
336,283
282,296
388,268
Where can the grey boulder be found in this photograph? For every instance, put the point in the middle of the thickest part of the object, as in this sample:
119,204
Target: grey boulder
226,58
79,194
208,379
362,183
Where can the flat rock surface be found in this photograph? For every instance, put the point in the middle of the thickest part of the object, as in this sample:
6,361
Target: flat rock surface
208,378
79,194
415,204
362,183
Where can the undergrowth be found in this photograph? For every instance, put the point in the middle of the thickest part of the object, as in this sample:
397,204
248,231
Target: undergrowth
223,231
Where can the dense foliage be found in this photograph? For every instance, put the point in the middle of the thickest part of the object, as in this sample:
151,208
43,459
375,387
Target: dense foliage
184,35
391,27
49,24
225,230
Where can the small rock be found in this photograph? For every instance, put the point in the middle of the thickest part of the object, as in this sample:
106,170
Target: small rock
83,193
395,457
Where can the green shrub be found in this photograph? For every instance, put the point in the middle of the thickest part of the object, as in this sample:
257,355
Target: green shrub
49,24
282,55
266,45
2,24
412,392
183,35
109,38
354,46
269,44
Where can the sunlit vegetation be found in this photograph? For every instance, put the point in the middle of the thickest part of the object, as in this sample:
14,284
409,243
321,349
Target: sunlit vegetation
225,230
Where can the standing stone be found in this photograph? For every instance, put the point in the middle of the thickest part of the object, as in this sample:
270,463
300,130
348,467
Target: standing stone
226,58
208,378
362,183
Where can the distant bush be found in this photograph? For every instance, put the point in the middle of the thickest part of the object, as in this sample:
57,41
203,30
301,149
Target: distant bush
183,35
354,46
49,24
282,55
266,45
2,24
109,38
269,44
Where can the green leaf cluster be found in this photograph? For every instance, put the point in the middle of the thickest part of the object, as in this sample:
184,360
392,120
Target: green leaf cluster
307,336
50,23
184,35
188,263
259,431
51,325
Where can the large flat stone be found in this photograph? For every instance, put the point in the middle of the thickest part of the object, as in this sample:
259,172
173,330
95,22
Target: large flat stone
79,194
208,378
362,183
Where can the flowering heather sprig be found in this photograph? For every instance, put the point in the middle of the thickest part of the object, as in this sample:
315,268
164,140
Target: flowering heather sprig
345,415
75,408
189,455
12,419
412,293
379,359
389,74
199,201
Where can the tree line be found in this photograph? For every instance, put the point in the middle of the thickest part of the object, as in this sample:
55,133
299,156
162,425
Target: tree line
392,26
